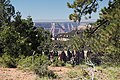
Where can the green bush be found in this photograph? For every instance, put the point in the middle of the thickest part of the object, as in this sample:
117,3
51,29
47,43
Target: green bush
78,74
57,62
24,62
72,74
42,71
39,60
37,63
31,61
40,67
8,61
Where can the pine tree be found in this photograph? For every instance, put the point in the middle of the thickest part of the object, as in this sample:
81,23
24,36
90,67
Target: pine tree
108,35
83,8
7,11
104,37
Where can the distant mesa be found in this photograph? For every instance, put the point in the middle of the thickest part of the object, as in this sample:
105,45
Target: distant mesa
61,27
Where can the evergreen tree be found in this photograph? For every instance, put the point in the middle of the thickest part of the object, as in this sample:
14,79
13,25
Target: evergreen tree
108,35
20,36
6,12
83,8
104,36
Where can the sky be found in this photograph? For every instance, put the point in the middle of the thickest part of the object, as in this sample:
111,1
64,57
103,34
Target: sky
48,10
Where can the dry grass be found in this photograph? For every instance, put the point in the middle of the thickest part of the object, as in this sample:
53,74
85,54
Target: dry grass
82,72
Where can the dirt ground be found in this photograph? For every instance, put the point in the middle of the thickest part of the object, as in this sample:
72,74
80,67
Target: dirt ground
60,71
16,74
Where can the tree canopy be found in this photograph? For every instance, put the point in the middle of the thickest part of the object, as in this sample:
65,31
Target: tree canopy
82,8
19,36
7,11
104,36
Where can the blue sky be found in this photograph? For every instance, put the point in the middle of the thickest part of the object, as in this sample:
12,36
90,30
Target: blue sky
46,10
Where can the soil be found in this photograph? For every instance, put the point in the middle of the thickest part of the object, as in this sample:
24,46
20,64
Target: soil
16,74
61,72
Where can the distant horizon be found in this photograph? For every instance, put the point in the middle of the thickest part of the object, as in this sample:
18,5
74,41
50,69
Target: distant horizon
62,20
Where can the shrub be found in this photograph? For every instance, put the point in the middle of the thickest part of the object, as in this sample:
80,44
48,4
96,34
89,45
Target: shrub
57,62
31,61
40,67
25,62
42,71
8,61
37,63
78,74
72,74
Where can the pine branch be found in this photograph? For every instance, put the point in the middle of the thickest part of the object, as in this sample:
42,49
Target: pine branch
104,22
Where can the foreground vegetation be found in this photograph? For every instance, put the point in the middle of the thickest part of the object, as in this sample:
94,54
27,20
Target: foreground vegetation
103,37
82,72
101,73
22,43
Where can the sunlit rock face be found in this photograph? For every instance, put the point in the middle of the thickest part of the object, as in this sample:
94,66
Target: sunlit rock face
60,27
